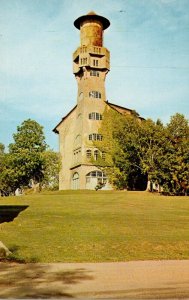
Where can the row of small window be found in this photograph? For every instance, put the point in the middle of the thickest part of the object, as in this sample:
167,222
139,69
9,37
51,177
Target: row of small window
83,50
95,49
96,154
95,94
84,62
94,73
95,137
95,116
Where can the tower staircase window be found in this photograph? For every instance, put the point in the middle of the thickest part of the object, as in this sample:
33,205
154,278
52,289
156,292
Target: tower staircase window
103,155
94,73
95,137
83,61
95,116
88,154
95,94
95,62
96,154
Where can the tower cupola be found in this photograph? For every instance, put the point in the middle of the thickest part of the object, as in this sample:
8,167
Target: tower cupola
91,28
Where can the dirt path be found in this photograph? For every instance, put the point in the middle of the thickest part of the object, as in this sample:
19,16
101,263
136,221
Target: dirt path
127,280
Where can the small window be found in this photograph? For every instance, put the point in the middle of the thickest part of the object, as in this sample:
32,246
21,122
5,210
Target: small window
96,154
103,155
95,116
94,73
99,137
95,94
88,154
95,62
95,137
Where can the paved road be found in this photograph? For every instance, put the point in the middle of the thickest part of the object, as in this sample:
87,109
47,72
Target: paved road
123,280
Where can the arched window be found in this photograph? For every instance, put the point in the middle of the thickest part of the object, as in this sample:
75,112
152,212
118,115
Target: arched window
75,181
88,154
95,177
94,94
95,116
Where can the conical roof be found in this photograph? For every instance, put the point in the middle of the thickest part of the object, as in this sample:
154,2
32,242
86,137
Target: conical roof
92,15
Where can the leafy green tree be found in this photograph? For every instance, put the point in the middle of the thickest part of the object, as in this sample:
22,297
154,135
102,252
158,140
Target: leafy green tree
2,148
26,153
29,162
7,175
8,179
127,157
138,150
51,169
176,165
108,147
122,161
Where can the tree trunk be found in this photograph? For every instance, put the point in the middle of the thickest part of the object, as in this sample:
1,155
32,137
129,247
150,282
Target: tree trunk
148,188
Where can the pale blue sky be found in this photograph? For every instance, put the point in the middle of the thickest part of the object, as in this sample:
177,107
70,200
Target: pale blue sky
149,45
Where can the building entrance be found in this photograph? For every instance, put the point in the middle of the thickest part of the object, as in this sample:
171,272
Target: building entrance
75,181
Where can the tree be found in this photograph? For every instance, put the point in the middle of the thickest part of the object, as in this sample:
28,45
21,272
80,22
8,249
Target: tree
26,153
7,176
108,147
2,149
121,164
51,168
139,149
176,166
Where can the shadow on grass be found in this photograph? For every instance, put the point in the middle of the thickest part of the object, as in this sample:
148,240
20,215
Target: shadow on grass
9,212
37,281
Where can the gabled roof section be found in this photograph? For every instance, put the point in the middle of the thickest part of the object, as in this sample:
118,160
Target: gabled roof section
124,110
63,119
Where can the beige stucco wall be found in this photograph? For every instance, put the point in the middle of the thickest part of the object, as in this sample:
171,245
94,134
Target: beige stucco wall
66,139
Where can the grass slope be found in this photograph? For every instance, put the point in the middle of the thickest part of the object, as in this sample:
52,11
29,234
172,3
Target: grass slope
89,226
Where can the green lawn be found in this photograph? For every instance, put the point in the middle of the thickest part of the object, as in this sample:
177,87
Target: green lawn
89,226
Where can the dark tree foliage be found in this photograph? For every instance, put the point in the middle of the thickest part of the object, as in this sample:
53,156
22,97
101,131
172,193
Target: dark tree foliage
140,150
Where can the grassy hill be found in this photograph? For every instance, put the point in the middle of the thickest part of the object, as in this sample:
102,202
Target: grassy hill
89,226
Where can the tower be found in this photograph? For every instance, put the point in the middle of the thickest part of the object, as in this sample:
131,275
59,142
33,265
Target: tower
79,129
90,66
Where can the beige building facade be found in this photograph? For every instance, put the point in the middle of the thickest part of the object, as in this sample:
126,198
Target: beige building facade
78,130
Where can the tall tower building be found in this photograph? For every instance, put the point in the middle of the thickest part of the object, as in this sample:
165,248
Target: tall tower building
79,128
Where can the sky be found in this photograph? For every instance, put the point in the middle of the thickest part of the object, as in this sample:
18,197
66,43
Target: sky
148,42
